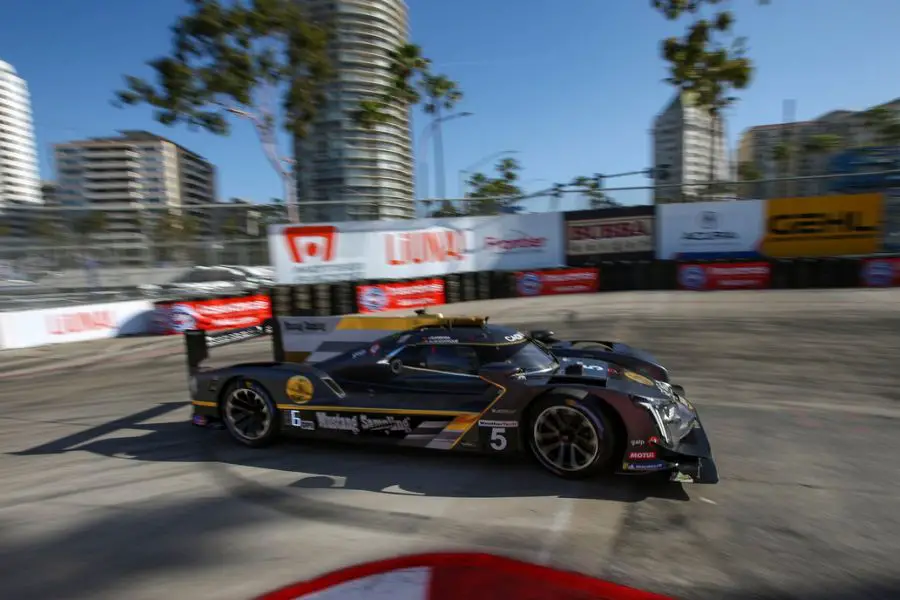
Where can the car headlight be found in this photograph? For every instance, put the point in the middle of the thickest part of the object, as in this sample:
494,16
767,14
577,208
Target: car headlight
674,419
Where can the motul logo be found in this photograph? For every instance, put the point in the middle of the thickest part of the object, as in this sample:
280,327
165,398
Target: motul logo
80,322
418,247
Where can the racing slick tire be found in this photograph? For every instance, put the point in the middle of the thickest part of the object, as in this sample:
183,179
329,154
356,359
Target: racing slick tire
250,415
570,439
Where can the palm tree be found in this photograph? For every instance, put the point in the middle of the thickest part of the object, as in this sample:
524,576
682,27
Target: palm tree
590,187
406,63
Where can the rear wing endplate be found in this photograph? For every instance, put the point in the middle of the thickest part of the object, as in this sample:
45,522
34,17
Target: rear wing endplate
197,343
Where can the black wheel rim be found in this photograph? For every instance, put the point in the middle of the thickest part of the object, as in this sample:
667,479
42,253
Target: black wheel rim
566,438
248,414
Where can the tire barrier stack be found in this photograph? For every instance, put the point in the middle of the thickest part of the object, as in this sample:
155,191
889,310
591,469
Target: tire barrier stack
324,299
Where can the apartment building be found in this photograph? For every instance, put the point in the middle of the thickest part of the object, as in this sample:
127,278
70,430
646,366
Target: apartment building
788,149
690,147
19,179
345,171
130,181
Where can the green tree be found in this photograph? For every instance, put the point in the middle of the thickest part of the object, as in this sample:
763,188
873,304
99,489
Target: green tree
750,172
823,143
592,189
237,57
89,222
172,233
702,65
489,195
884,124
781,154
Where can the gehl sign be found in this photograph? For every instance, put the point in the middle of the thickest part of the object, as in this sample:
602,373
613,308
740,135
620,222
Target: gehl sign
837,224
823,226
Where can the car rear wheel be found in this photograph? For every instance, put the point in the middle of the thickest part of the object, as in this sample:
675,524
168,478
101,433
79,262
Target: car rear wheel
250,415
570,439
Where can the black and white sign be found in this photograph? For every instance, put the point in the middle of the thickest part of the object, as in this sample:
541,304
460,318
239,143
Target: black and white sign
357,424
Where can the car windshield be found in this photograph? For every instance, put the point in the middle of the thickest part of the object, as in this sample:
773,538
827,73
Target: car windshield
527,355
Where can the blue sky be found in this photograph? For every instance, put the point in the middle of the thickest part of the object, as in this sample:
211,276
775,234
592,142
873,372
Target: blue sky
572,85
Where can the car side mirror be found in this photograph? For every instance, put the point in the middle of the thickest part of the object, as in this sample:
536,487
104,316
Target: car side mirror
499,372
544,336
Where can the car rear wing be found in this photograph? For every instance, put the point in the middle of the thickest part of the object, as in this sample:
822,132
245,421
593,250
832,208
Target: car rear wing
197,343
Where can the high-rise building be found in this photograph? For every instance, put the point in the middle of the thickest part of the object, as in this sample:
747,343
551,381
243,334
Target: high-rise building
135,170
789,150
346,171
19,179
689,146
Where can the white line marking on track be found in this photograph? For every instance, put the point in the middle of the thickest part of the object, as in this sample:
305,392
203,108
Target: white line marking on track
707,500
560,522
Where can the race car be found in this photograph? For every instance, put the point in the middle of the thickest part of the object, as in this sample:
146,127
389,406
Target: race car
456,384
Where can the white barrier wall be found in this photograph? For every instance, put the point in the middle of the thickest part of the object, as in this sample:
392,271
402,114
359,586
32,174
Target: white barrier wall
420,248
74,323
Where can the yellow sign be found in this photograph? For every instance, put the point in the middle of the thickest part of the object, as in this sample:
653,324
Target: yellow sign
823,226
636,377
299,389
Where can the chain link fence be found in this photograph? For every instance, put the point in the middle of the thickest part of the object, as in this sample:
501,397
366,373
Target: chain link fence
107,247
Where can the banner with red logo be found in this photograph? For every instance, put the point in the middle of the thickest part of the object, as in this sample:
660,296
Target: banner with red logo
414,249
880,272
725,276
74,323
213,314
562,281
404,295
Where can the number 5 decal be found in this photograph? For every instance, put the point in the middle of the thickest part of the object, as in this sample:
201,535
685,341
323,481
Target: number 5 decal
498,438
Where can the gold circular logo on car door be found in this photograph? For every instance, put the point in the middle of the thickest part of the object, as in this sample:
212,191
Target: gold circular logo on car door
299,389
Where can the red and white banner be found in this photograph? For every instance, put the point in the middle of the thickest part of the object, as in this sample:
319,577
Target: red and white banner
394,296
455,576
74,323
212,315
413,249
880,272
725,276
562,281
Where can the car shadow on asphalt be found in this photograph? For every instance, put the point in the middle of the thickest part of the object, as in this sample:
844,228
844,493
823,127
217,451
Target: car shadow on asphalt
347,466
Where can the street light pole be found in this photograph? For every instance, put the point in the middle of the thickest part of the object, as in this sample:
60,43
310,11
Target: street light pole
434,129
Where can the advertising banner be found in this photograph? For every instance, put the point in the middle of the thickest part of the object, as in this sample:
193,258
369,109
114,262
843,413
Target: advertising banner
710,230
563,281
609,234
402,295
211,315
880,272
725,276
74,324
891,235
416,248
823,226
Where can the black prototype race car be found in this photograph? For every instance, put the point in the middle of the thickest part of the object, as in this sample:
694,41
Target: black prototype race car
460,384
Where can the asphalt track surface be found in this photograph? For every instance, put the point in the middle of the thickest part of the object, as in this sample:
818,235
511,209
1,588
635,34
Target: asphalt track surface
107,492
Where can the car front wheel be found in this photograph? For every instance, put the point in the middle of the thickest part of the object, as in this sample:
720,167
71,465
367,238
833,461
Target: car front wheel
571,440
250,415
